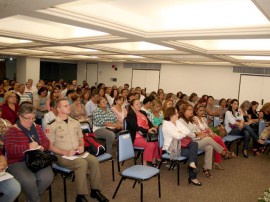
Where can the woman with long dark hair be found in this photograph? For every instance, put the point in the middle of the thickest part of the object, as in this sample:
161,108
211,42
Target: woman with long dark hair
235,125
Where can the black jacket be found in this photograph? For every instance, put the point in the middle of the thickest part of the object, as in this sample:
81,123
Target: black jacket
132,125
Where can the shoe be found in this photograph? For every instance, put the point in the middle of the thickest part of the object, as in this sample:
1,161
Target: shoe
98,195
245,154
218,166
194,183
229,155
81,198
207,173
260,141
256,152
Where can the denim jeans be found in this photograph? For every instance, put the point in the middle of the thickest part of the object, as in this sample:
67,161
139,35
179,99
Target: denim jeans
191,152
247,132
9,190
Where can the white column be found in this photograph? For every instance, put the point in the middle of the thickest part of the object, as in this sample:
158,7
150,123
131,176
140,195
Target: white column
28,68
81,72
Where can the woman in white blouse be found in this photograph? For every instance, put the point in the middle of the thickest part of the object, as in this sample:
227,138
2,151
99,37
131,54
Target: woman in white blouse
204,142
173,131
201,124
235,125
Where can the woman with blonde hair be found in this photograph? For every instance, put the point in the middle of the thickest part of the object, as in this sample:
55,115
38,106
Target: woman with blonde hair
168,103
156,113
10,107
264,113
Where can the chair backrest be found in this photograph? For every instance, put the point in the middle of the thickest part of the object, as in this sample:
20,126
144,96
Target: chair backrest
125,123
125,147
160,137
261,126
86,128
43,124
216,121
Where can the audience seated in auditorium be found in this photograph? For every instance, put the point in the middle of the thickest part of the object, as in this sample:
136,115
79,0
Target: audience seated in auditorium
24,97
105,123
91,105
54,95
211,110
202,126
264,113
168,103
147,105
119,109
205,143
78,109
20,137
156,113
85,97
86,169
139,125
173,131
40,102
235,125
222,109
193,98
9,188
10,107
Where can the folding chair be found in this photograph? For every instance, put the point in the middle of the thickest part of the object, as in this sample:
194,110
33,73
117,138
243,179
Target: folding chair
86,128
65,174
139,150
166,156
229,139
138,173
262,125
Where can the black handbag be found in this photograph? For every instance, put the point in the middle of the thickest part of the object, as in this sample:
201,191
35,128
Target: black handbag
152,137
36,159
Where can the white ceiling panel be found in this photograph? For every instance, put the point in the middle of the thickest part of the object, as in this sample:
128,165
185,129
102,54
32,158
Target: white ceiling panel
199,32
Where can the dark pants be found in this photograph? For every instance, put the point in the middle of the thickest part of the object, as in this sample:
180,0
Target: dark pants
247,132
191,152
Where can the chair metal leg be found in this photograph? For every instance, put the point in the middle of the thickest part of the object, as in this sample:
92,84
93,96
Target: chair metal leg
178,174
141,191
160,163
50,193
171,165
237,147
113,169
65,188
159,190
117,187
134,184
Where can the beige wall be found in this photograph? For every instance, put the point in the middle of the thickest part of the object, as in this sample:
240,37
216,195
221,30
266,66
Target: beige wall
216,81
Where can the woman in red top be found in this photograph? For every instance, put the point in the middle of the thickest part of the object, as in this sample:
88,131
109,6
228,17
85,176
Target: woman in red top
10,107
22,136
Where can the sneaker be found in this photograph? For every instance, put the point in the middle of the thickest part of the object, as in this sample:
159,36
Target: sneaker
98,195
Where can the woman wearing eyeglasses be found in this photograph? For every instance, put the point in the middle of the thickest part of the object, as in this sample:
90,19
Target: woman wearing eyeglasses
10,107
22,136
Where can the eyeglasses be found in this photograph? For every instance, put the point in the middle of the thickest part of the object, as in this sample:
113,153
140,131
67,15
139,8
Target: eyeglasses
28,118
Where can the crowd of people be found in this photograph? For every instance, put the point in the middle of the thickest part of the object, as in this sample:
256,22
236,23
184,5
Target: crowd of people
187,123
